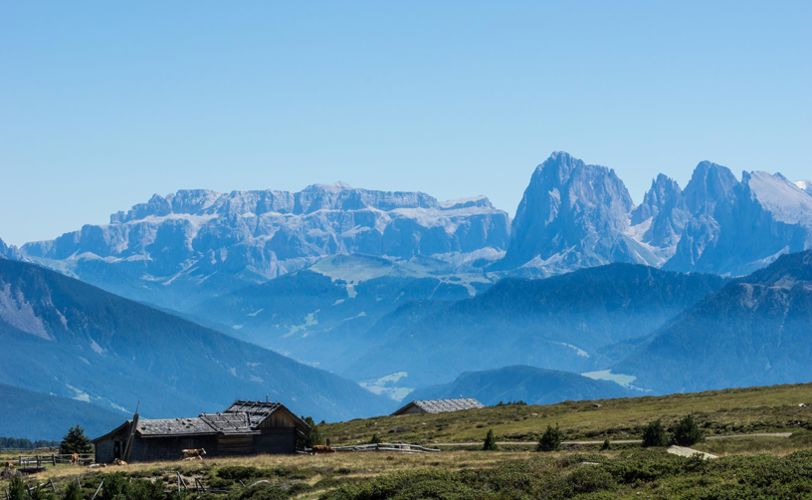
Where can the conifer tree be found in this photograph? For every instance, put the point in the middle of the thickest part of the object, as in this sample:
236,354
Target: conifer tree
490,442
550,440
75,441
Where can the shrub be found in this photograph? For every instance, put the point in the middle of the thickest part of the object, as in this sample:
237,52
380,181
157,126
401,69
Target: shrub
375,439
606,445
17,489
73,491
654,435
490,442
590,478
550,440
687,432
238,472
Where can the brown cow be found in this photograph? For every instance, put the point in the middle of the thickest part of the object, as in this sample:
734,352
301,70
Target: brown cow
74,459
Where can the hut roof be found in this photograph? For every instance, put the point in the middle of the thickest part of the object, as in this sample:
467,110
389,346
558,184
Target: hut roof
242,417
231,422
173,426
442,405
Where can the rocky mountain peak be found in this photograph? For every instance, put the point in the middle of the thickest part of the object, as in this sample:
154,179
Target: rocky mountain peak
569,208
710,184
663,194
8,251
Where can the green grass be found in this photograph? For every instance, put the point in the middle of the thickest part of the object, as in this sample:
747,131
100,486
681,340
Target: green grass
761,409
638,473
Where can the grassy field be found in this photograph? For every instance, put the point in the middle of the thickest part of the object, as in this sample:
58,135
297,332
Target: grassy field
637,473
732,411
749,467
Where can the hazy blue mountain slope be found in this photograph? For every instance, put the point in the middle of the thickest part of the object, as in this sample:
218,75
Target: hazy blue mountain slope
522,383
68,338
319,315
34,416
558,323
756,330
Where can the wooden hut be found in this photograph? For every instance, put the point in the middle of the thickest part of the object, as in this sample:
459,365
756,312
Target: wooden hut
244,428
438,406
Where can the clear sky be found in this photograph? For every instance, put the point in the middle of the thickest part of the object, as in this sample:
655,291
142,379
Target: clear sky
104,103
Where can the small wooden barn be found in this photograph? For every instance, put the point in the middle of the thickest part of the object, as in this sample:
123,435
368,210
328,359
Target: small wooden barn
438,406
244,428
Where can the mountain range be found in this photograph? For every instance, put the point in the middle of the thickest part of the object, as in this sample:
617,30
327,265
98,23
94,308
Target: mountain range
67,338
575,215
697,287
564,322
186,247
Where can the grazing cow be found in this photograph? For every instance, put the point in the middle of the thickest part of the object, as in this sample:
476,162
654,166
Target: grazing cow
119,461
74,459
194,454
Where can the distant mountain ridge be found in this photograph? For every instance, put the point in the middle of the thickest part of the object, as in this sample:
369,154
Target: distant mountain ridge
319,314
562,322
188,247
523,383
173,244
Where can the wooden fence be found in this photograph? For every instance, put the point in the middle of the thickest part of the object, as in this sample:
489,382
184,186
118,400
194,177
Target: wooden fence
396,447
39,461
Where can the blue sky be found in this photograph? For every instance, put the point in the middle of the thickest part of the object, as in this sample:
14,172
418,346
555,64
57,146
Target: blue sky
103,103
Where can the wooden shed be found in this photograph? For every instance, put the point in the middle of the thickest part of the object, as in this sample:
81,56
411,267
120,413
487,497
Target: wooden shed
438,406
244,428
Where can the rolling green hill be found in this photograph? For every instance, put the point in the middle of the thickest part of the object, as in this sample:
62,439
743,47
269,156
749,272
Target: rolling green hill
757,409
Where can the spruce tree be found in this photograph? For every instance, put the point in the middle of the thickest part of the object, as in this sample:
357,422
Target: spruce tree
490,442
75,441
654,435
550,440
687,432
313,435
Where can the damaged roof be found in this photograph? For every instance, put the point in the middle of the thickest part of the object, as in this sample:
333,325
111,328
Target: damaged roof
242,417
173,426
